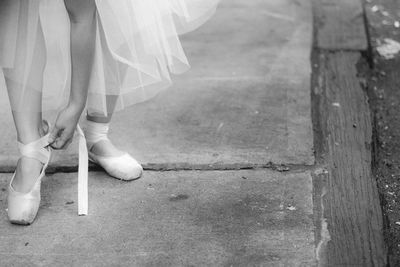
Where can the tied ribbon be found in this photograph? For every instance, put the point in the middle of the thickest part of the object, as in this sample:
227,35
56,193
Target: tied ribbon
83,171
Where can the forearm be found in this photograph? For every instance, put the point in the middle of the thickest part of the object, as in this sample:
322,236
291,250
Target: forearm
82,15
83,34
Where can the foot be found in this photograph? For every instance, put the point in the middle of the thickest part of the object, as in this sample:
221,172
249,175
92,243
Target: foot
115,162
105,148
28,169
23,198
26,174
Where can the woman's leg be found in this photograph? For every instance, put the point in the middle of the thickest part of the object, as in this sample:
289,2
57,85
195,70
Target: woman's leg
26,109
105,147
101,118
103,152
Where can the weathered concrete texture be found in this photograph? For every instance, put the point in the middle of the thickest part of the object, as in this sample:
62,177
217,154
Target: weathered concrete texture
191,218
246,99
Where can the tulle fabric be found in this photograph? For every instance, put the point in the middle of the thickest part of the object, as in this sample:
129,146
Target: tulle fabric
137,47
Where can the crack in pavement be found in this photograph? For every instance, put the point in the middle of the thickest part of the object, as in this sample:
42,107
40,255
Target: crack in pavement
183,167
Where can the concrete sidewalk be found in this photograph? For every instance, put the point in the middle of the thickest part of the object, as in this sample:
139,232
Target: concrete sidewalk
186,218
244,104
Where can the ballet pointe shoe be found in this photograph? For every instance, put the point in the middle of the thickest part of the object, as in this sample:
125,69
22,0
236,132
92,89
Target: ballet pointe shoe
123,167
23,207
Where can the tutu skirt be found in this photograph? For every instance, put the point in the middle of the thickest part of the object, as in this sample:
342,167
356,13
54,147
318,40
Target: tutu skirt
137,48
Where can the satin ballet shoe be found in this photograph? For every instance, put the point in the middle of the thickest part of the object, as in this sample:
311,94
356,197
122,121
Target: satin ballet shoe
123,167
23,207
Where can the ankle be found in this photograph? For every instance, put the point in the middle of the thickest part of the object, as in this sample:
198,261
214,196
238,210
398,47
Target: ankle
95,132
98,118
28,137
32,133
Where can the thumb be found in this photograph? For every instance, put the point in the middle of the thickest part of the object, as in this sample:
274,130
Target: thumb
62,140
55,132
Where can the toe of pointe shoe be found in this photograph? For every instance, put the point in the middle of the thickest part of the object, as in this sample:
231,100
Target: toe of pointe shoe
124,167
23,208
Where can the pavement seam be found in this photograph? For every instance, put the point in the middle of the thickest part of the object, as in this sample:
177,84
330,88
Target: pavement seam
185,167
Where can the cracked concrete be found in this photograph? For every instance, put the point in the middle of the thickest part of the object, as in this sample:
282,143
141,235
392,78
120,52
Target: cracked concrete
187,218
241,118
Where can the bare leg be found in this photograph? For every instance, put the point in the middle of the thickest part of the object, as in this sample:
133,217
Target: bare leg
28,117
101,118
106,148
111,100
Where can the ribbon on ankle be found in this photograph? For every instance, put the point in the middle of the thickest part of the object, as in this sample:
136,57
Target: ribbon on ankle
83,171
95,132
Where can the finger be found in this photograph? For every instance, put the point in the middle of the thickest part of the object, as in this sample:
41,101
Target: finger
66,145
54,134
58,144
55,145
63,139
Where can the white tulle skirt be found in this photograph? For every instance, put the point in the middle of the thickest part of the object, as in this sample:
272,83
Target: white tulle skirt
137,47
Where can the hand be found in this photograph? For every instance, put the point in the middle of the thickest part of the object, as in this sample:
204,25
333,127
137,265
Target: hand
63,132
